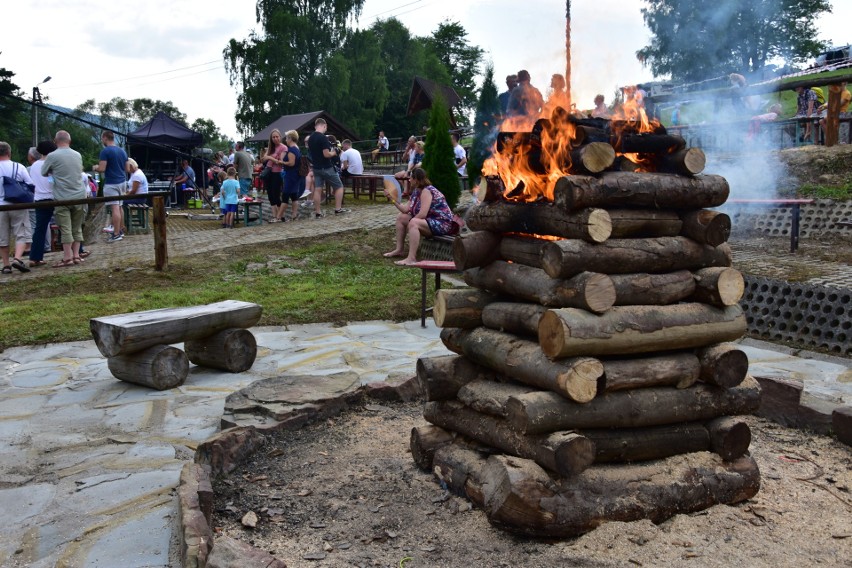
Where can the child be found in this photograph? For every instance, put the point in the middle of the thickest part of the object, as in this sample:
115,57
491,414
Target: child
229,196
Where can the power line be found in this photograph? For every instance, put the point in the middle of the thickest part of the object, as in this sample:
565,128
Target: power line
373,16
136,77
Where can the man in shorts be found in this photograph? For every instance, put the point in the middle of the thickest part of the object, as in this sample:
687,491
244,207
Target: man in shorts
112,163
243,163
321,152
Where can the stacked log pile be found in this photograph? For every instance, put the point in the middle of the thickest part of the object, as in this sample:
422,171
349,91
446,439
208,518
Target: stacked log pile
594,379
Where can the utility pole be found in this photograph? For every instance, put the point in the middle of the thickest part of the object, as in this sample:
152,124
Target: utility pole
37,101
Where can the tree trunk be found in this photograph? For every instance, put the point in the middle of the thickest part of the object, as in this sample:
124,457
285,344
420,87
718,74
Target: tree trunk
232,350
652,289
540,412
592,225
632,223
490,397
524,250
718,286
441,377
724,365
587,290
625,189
480,248
563,259
706,227
425,440
592,158
522,360
460,307
160,367
686,162
513,317
565,453
680,370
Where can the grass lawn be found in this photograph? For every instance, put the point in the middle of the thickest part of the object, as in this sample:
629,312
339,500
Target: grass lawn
340,278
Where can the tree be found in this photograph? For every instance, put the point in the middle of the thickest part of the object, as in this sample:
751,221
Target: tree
14,116
449,43
213,137
439,160
692,41
484,125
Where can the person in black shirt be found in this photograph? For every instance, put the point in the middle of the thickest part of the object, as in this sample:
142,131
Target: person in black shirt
321,153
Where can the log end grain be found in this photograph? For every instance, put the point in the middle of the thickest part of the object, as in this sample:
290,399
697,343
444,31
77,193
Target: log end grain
595,157
580,383
731,286
600,225
694,160
233,350
160,367
425,440
729,437
598,292
725,365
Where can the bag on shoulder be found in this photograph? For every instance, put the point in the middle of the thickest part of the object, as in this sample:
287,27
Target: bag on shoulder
16,191
265,173
304,166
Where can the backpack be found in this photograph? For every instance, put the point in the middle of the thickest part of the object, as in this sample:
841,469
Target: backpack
304,166
820,95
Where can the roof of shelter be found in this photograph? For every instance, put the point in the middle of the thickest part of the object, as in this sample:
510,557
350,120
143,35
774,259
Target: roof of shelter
304,124
163,129
423,92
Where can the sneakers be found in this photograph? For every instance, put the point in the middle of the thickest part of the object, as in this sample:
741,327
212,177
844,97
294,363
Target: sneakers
108,229
115,238
319,215
306,194
306,204
342,211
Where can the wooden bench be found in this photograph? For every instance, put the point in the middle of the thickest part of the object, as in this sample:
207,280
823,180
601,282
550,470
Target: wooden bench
437,267
137,345
136,217
794,204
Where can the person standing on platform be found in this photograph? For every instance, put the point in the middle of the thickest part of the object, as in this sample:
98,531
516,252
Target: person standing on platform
525,99
321,154
243,164
66,167
112,161
511,83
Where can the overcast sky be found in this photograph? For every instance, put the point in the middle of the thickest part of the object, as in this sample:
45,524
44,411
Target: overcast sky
172,50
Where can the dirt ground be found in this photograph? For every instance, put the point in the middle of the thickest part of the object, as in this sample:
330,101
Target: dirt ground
345,492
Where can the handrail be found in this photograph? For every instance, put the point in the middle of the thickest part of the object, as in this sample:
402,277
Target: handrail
85,201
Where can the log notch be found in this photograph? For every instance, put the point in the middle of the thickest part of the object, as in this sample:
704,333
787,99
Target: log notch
724,365
565,453
424,441
680,370
513,317
460,307
718,286
519,496
160,367
575,379
634,223
706,227
563,259
232,350
126,333
652,289
592,158
479,248
540,411
490,397
656,191
587,290
592,225
686,162
567,332
441,377
524,250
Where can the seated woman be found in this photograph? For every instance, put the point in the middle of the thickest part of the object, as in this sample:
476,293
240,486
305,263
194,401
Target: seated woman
138,184
414,161
427,214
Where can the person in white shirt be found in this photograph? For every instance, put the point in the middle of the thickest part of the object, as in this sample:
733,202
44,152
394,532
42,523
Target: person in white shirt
382,145
460,156
350,161
138,184
17,222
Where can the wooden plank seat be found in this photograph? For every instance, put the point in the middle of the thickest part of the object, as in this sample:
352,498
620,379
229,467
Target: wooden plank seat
136,217
215,335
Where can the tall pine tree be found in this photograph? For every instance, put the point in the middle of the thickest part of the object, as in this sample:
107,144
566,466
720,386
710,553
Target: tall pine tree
484,125
439,160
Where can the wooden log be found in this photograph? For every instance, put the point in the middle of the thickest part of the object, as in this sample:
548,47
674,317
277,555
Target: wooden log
127,333
724,365
718,286
648,143
563,259
655,191
490,397
233,350
652,289
461,307
459,467
424,441
706,227
575,379
479,248
161,244
523,250
519,496
587,290
592,158
634,223
160,367
565,453
680,370
729,437
686,162
592,225
513,317
624,164
441,377
541,411
567,332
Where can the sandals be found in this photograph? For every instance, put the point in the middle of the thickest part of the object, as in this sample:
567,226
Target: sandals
18,264
77,260
84,254
7,270
37,263
64,263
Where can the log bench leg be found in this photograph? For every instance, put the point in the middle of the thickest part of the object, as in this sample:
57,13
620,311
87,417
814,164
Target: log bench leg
232,350
160,367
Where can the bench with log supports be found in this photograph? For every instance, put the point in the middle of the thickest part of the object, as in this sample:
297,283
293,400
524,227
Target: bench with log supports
793,204
137,345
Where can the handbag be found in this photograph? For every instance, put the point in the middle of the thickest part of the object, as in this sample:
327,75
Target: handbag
16,191
265,173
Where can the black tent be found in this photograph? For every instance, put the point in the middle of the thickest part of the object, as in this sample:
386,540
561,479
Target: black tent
165,131
159,144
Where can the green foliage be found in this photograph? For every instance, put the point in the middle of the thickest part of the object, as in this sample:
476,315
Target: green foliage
213,137
692,41
484,125
449,43
15,127
439,160
843,192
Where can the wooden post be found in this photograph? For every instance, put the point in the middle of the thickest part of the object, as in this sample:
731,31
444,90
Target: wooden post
161,249
832,123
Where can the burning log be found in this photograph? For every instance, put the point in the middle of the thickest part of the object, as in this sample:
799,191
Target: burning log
644,223
592,158
513,317
565,453
652,289
563,259
575,379
706,227
680,370
720,287
592,225
524,250
460,307
687,162
479,248
587,290
540,412
724,365
648,144
441,378
658,191
624,164
567,332
424,441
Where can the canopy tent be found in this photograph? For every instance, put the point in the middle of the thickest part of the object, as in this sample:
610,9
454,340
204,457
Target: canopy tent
304,125
164,130
423,92
157,144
